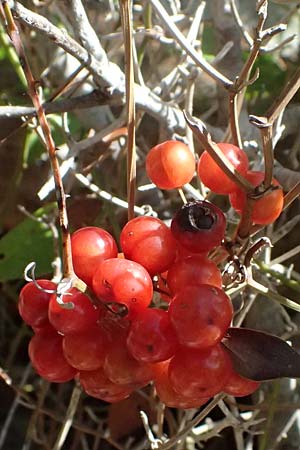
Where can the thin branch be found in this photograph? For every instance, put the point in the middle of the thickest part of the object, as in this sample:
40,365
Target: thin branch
214,151
140,210
184,44
35,98
284,98
84,30
106,74
192,423
75,397
240,24
126,19
291,195
89,100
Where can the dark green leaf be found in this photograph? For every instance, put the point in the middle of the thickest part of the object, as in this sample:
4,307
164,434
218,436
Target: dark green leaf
28,241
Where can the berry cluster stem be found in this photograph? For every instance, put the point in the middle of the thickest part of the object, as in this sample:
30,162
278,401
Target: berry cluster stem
126,19
14,35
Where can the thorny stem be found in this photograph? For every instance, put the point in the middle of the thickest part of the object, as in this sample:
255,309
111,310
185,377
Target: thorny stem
13,32
125,8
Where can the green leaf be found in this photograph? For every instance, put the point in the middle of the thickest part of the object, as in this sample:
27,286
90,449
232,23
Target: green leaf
28,241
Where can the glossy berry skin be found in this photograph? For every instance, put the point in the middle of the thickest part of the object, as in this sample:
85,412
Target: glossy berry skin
86,350
123,281
198,373
200,315
122,368
149,242
76,320
46,355
168,395
266,209
33,303
91,246
212,175
239,386
151,337
199,226
170,165
193,270
96,384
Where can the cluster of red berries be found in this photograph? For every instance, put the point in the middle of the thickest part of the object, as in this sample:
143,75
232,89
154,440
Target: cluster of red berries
171,165
118,337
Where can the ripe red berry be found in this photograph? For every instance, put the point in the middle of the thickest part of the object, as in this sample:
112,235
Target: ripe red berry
86,350
199,373
213,177
239,386
91,246
199,226
195,269
168,395
76,320
170,165
151,337
121,367
96,384
46,355
200,315
265,209
123,281
33,303
149,242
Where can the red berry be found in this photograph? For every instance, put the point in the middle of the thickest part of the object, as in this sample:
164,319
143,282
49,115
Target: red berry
91,246
149,242
123,281
265,209
199,226
121,368
76,320
200,315
170,165
97,384
47,358
151,337
212,175
195,269
33,303
239,386
199,373
86,350
168,395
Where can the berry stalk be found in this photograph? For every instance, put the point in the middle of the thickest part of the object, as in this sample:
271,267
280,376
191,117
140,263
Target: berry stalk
14,35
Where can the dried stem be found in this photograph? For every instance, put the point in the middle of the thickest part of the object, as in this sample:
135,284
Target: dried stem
193,423
214,151
35,98
291,195
68,418
185,45
126,19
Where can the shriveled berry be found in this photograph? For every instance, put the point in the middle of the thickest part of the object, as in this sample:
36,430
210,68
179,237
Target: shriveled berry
199,226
